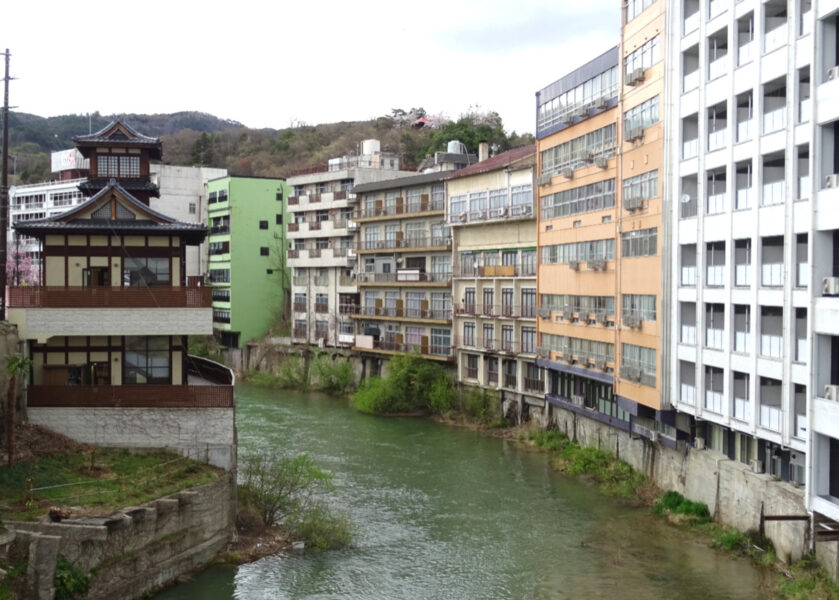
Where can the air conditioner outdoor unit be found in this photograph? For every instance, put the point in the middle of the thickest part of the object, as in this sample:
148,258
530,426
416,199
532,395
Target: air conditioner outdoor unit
544,179
654,436
581,111
756,465
833,73
633,202
633,321
831,392
601,318
831,181
574,265
568,172
501,212
602,162
637,76
462,217
597,264
634,133
578,399
526,209
830,286
699,443
545,313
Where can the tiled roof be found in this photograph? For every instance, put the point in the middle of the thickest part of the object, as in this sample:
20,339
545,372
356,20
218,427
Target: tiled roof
498,161
99,136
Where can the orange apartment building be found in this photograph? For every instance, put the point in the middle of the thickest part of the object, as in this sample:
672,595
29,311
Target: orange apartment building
600,158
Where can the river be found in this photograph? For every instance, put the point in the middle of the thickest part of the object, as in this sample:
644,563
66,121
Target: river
447,513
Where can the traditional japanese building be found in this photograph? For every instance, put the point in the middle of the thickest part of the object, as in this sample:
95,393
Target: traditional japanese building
107,327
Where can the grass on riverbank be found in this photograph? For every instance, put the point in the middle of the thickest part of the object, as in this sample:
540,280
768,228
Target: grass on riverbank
90,479
323,373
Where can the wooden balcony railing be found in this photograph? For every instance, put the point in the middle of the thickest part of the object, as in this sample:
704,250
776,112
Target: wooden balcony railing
132,396
110,297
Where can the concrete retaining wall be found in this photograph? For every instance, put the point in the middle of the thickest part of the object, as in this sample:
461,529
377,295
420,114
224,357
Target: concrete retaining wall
138,549
734,494
205,434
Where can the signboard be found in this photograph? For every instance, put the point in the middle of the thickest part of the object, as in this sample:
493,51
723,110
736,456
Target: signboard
65,160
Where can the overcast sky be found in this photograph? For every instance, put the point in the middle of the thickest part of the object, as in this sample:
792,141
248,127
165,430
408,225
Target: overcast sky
271,64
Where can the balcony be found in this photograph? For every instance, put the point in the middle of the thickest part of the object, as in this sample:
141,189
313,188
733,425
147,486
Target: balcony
510,380
380,211
299,333
299,307
366,343
527,269
502,311
321,307
534,385
131,396
404,277
110,297
425,243
441,315
220,229
502,213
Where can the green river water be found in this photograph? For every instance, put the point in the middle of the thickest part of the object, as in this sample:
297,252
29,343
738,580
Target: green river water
446,513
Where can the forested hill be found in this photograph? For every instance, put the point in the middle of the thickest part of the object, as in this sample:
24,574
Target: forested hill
193,138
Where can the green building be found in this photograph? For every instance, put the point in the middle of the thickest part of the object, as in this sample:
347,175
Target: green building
247,264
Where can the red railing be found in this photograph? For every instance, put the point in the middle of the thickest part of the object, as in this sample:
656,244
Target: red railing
110,297
132,396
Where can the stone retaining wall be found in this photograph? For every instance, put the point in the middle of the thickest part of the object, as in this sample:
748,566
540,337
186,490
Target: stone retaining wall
138,549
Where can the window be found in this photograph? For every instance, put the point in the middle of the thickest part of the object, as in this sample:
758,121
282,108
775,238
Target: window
471,371
770,403
146,360
579,251
107,166
642,116
745,39
279,195
441,342
802,271
507,332
801,354
192,208
579,151
643,57
687,333
528,263
640,305
744,185
742,328
528,340
528,302
489,336
714,383
142,271
774,179
714,325
129,166
715,192
775,25
279,219
638,189
690,69
263,250
636,7
594,196
489,299
742,263
687,382
688,265
638,364
263,224
715,264
562,108
771,331
772,261
741,396
717,53
799,400
745,114
641,242
774,105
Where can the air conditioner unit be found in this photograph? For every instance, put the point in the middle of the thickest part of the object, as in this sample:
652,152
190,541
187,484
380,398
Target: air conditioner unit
526,209
830,286
833,73
586,156
635,77
545,313
601,318
831,181
544,179
654,436
756,465
634,133
631,320
568,172
543,352
699,443
501,212
831,392
578,399
601,102
581,111
633,202
602,162
597,264
574,265
462,217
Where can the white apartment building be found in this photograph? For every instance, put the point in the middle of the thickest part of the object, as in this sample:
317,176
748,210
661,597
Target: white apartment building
755,233
321,252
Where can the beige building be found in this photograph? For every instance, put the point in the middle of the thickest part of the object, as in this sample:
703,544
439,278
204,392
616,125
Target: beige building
404,269
491,212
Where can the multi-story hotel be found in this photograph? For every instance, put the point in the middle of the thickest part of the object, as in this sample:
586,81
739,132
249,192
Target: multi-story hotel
404,269
321,247
247,256
754,344
491,212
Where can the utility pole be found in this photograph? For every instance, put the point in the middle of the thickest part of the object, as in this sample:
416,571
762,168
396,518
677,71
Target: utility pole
4,193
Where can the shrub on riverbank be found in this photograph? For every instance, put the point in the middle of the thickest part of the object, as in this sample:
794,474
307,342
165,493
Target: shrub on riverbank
413,384
333,375
287,490
675,504
614,476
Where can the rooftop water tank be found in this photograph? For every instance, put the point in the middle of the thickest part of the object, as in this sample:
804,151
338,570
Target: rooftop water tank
455,147
370,147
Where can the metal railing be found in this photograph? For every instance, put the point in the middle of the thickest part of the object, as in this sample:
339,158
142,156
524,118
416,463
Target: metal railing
442,242
406,208
425,349
509,311
403,276
515,270
405,313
